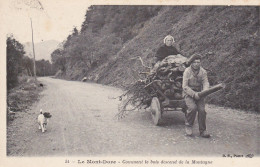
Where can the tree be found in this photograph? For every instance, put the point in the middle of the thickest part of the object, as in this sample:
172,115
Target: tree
27,64
14,53
75,32
58,60
44,68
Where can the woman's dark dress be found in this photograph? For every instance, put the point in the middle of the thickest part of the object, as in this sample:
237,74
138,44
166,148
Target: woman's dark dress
165,51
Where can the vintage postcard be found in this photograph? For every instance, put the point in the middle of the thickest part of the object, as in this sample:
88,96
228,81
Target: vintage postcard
129,83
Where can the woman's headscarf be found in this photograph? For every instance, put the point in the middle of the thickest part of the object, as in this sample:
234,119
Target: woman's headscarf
168,36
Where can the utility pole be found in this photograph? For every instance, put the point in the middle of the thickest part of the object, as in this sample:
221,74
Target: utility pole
43,70
34,67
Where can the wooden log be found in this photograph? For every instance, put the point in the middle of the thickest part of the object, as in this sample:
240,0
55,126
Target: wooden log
178,85
211,90
177,96
168,93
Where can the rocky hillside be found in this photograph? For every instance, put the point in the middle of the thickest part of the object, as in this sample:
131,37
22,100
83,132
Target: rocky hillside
111,37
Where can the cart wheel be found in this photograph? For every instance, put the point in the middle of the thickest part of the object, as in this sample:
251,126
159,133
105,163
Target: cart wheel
156,110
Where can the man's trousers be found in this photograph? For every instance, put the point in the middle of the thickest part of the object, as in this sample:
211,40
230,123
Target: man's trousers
195,106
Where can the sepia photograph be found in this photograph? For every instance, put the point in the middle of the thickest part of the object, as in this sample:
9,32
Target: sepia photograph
114,83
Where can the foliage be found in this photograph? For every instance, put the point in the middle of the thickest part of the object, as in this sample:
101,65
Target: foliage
14,52
44,68
102,35
27,64
58,60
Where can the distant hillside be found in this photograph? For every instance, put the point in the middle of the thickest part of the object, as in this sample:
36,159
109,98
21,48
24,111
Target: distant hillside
112,36
43,49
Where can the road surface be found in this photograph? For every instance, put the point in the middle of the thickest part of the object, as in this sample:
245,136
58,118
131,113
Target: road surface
83,124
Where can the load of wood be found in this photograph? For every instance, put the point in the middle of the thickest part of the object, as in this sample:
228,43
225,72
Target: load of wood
164,81
167,77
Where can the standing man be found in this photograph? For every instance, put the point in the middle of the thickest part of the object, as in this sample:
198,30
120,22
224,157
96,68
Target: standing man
195,80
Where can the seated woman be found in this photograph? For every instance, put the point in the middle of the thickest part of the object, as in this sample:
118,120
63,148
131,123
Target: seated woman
167,49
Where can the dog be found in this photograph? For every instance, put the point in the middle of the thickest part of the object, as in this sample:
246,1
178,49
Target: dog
43,119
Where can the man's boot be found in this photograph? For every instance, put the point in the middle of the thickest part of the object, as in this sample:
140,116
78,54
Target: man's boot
188,130
204,134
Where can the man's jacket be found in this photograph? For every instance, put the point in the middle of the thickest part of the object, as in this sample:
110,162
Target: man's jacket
193,83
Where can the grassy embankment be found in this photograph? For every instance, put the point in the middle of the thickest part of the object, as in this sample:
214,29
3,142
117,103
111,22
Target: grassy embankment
20,98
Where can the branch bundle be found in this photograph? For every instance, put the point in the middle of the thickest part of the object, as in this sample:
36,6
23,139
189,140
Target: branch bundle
163,81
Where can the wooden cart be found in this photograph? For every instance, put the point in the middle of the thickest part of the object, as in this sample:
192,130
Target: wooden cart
158,107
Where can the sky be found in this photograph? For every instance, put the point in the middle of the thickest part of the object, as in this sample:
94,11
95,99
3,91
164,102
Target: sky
51,19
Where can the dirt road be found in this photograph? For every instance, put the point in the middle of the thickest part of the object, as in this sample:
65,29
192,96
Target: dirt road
83,123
